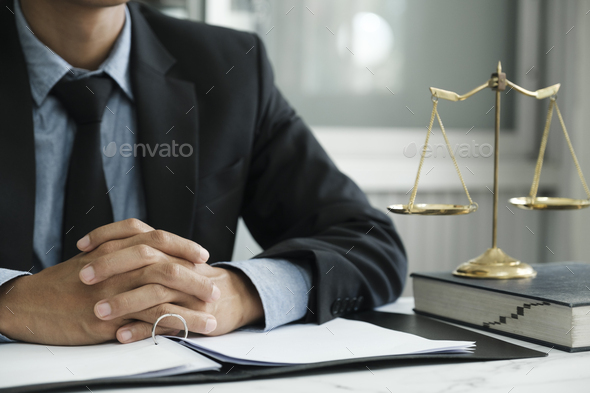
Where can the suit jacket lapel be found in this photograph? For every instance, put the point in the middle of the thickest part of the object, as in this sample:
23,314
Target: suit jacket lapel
166,110
17,150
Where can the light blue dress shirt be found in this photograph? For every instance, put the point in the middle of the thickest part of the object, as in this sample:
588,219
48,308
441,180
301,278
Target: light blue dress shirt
282,285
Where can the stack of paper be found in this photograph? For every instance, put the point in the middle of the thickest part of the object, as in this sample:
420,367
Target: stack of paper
339,339
303,344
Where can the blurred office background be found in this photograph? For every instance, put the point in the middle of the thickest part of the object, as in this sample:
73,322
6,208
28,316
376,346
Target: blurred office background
358,72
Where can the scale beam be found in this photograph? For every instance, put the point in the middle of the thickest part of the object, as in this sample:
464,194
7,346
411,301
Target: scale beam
492,83
539,94
452,96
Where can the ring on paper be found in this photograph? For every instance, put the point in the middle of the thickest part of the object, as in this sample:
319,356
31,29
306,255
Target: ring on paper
164,316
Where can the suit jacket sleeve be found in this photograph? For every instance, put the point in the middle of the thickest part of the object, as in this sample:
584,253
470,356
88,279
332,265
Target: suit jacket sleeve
298,205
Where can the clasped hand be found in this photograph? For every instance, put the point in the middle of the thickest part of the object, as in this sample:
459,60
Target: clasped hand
126,277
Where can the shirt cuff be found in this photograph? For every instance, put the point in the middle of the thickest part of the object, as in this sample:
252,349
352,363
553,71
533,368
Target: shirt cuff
283,287
5,276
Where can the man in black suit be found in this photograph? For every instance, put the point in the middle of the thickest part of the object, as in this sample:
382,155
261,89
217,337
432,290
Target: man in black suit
250,156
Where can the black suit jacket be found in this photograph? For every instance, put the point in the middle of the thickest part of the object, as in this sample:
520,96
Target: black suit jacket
253,157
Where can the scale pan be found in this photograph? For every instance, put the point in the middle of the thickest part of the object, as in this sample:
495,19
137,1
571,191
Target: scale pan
428,209
549,203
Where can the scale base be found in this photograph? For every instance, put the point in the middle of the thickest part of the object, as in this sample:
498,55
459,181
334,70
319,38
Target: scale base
495,264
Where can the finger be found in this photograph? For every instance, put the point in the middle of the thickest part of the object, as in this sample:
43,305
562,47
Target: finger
196,321
175,276
137,300
125,260
166,242
140,330
116,230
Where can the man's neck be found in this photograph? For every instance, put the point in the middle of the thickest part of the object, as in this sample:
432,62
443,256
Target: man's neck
81,34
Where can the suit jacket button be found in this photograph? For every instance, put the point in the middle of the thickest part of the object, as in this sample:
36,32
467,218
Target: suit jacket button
344,305
359,302
336,307
349,305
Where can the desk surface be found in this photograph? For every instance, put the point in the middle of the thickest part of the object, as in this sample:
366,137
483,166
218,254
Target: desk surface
559,372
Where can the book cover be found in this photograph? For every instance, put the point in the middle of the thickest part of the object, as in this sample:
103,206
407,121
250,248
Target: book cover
564,283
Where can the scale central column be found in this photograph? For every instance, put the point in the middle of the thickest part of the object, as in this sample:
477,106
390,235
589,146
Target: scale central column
496,169
495,263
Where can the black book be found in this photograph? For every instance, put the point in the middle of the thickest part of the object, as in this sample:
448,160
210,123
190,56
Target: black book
552,309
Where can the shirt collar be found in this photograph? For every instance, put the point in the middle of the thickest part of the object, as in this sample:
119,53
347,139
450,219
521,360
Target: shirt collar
46,68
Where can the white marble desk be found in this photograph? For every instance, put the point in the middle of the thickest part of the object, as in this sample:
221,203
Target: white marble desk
560,372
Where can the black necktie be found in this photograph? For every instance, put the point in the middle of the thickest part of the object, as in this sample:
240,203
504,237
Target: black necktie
86,205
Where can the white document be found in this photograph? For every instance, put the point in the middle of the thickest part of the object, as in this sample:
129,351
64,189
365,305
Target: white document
337,339
29,364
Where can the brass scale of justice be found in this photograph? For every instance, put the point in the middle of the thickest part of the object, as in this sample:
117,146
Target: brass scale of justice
495,263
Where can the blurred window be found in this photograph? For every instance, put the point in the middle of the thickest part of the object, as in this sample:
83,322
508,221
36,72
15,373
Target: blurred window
369,63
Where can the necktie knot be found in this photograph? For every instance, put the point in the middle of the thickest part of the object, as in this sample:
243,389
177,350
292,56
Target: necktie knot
84,99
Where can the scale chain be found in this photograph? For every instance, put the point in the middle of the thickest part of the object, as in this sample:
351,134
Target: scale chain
535,185
415,189
442,128
569,143
536,179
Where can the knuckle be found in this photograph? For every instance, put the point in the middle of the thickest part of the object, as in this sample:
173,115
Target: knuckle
145,252
160,310
108,247
134,223
159,291
160,237
172,271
